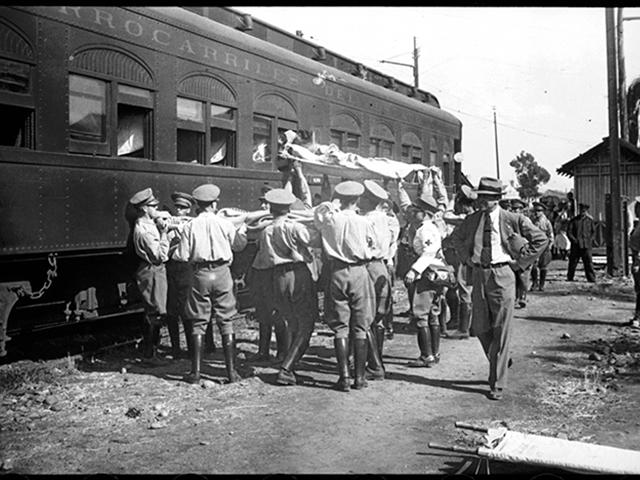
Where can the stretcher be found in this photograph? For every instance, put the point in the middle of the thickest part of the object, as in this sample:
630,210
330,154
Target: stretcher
501,444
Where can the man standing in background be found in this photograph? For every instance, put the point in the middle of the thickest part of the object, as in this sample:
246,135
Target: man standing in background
580,232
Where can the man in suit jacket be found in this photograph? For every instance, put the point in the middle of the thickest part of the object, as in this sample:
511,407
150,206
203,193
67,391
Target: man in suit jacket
580,232
495,243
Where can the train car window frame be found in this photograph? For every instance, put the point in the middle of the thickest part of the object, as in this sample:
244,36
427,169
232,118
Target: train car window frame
17,105
273,138
127,109
214,131
346,141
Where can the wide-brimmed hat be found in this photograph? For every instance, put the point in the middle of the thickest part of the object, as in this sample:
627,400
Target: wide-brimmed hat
490,186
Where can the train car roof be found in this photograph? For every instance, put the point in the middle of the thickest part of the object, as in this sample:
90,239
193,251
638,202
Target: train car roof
188,20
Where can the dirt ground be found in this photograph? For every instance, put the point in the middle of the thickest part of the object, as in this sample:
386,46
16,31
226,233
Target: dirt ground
575,375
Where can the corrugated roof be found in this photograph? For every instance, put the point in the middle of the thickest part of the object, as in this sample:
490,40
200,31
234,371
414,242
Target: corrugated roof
569,167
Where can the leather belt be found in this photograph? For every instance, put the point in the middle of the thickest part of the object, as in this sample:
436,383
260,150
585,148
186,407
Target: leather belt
340,264
217,263
493,265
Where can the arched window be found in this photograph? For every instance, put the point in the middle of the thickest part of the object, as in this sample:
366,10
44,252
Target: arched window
411,148
111,102
345,133
207,114
381,141
273,115
17,108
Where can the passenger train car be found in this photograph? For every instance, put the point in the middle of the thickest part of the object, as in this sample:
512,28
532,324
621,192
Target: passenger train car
100,102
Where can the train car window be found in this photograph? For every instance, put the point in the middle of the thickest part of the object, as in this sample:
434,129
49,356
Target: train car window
134,112
190,146
88,114
353,143
433,157
15,77
446,169
345,141
18,119
190,110
262,132
380,148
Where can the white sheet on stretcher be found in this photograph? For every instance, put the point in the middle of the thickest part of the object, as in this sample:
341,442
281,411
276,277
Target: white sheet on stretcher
556,452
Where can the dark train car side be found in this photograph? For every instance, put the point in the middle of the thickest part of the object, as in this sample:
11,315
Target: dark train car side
102,102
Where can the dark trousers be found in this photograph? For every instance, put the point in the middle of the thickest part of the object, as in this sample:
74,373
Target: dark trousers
576,254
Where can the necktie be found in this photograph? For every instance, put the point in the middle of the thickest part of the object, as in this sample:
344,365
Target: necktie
485,254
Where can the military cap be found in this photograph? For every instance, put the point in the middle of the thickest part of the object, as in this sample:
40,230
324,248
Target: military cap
538,206
375,190
182,199
263,191
468,193
206,193
279,196
517,203
490,186
143,197
349,189
426,202
583,205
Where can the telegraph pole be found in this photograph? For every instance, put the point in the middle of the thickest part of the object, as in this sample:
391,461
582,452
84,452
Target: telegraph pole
495,134
622,81
414,66
614,260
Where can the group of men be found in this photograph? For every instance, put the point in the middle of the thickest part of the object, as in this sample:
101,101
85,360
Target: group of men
463,264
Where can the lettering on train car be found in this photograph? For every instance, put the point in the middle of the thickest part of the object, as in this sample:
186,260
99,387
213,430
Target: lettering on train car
186,44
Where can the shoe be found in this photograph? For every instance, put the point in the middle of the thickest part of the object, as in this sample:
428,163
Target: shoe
285,377
343,384
509,363
495,394
192,378
422,362
374,374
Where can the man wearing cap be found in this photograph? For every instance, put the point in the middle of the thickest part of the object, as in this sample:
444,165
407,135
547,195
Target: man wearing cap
634,246
178,275
541,221
495,243
348,240
372,206
260,282
287,245
459,298
152,247
427,297
207,243
580,232
522,277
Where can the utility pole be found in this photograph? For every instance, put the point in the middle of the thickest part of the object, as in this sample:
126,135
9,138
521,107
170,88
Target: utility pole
495,133
415,63
622,81
414,66
614,240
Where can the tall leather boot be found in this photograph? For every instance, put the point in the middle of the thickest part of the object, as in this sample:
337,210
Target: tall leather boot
188,333
543,277
174,336
534,279
465,322
380,342
360,354
374,369
196,356
209,343
147,338
426,358
341,346
434,329
264,342
283,339
286,374
454,308
229,348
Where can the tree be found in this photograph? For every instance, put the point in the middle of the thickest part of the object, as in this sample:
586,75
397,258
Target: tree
529,174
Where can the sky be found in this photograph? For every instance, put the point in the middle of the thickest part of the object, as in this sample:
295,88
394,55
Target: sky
544,70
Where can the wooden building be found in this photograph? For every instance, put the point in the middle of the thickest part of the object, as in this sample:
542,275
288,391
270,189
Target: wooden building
590,172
